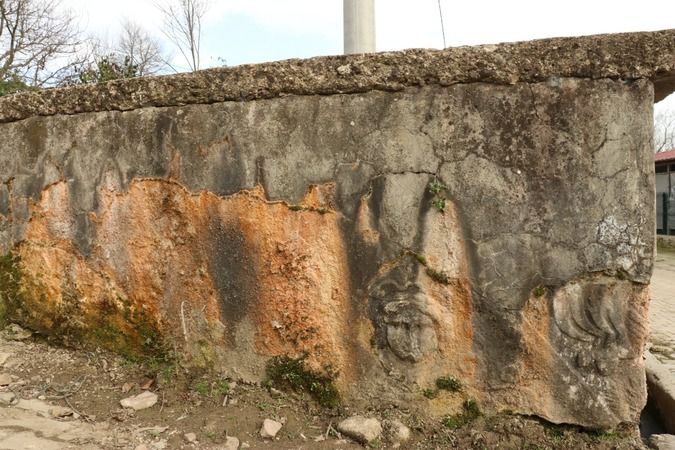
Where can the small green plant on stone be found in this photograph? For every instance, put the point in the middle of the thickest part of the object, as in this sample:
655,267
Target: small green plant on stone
437,189
438,277
421,259
540,291
449,383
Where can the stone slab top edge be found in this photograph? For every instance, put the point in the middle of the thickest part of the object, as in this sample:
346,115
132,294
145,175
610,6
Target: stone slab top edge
617,56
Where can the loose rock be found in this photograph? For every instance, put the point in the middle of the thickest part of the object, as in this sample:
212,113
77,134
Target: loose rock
270,428
14,332
399,432
5,379
60,411
662,441
190,437
7,398
159,445
143,400
361,429
35,405
231,443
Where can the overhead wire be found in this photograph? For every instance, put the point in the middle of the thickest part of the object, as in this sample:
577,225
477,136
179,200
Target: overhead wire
440,12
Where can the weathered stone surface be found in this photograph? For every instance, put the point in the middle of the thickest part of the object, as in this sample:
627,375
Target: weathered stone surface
23,429
626,56
498,232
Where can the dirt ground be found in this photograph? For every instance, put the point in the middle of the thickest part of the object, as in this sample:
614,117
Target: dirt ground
37,378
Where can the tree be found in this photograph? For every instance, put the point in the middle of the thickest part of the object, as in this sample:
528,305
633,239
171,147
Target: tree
143,50
183,27
135,53
664,131
107,68
34,35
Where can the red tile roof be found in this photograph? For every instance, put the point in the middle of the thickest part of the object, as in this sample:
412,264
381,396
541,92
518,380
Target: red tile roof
665,156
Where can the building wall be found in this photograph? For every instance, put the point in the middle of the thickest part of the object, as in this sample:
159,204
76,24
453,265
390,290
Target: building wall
665,198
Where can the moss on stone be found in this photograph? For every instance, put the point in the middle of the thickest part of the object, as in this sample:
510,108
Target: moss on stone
437,276
10,282
540,291
114,325
291,372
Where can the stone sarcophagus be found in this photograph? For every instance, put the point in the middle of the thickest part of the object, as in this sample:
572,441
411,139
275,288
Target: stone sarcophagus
479,214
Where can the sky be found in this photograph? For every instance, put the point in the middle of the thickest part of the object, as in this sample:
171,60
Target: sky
254,31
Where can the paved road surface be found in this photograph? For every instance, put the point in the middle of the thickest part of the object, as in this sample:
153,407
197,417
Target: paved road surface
662,310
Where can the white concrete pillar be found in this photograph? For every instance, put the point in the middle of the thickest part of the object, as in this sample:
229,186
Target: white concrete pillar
359,26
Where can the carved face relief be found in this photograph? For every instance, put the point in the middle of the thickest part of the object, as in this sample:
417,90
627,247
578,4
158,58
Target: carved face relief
418,301
408,329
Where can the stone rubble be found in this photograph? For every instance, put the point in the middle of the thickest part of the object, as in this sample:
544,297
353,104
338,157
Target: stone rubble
361,429
399,432
662,442
141,401
231,443
14,332
270,428
7,398
60,411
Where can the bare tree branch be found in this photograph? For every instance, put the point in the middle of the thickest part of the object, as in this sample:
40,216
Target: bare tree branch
183,27
33,34
664,131
144,50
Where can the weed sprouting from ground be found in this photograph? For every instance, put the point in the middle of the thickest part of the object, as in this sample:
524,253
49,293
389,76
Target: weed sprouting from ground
449,383
470,413
291,372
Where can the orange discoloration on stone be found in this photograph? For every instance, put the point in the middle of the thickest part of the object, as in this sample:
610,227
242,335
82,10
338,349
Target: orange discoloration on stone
537,362
452,303
303,287
320,196
364,223
51,216
196,264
